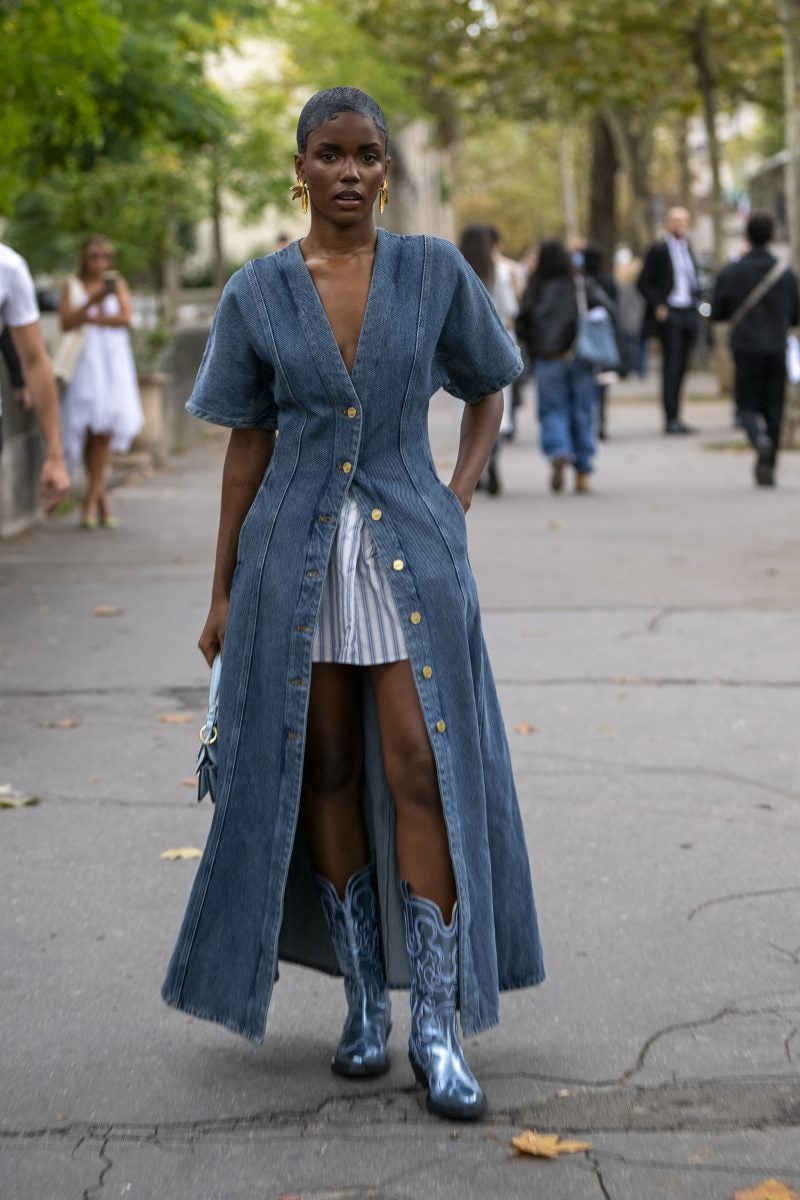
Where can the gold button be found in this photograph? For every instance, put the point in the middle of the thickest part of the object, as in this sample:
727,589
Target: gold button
376,514
351,412
415,618
398,564
440,727
347,467
427,672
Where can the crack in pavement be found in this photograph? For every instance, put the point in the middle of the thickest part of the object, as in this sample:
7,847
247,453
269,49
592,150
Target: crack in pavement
688,1106
93,1189
781,891
668,771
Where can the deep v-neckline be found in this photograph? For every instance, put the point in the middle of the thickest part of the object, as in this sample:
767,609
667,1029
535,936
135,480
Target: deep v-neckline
351,374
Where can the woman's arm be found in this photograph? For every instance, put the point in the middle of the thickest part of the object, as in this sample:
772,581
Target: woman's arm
480,426
247,458
123,317
74,318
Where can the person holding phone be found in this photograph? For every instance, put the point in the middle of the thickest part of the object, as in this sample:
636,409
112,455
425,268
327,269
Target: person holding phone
101,410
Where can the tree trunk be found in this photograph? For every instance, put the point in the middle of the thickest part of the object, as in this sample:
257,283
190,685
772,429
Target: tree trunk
569,191
218,249
790,21
171,275
633,150
603,190
684,163
707,87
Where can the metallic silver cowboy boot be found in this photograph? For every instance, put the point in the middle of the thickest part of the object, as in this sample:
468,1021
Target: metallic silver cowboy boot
353,925
434,1048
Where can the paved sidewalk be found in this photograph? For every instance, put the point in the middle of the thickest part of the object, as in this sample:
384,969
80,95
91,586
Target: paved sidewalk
649,634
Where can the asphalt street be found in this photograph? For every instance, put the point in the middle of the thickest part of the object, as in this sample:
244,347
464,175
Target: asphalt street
645,644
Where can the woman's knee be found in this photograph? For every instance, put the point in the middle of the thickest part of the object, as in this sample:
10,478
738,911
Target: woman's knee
332,767
412,777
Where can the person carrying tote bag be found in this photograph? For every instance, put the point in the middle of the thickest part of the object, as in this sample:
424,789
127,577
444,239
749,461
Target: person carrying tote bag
553,324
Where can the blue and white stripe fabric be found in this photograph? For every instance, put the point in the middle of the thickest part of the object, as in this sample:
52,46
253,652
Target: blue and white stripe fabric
358,620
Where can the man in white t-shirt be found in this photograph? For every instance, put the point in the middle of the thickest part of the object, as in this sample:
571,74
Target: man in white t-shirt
20,312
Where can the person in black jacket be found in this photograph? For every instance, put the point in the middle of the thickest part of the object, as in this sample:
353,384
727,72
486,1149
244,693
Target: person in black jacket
669,285
758,341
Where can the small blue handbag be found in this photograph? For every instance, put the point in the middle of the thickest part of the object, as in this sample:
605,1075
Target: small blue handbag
596,343
209,740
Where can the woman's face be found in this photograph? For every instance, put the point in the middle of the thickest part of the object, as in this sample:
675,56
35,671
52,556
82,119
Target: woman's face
344,165
98,258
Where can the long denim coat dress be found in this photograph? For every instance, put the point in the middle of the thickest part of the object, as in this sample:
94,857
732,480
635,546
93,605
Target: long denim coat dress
272,363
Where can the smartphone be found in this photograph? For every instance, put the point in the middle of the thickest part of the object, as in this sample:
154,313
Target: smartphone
110,280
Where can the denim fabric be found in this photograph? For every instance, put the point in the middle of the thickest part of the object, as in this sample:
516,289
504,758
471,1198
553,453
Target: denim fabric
566,390
272,361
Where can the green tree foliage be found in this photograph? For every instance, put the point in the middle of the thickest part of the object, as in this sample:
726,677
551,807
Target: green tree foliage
111,113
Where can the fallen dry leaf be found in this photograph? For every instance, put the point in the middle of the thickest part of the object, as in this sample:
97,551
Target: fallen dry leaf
190,781
546,1145
107,610
8,800
176,718
524,727
182,852
628,679
64,723
770,1189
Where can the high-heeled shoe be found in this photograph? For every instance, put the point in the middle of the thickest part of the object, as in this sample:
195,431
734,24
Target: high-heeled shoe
353,926
434,1049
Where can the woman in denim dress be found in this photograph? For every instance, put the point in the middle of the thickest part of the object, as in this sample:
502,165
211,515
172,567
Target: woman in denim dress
366,821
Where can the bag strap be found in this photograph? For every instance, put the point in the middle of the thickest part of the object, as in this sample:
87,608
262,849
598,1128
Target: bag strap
208,732
776,272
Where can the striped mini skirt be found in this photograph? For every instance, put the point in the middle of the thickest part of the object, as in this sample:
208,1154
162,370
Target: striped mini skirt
358,620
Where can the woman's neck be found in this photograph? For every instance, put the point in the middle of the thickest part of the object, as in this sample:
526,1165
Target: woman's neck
331,241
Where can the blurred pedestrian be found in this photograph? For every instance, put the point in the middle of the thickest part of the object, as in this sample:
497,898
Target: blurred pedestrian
510,279
366,821
101,410
548,326
477,246
670,286
759,298
19,312
630,316
594,269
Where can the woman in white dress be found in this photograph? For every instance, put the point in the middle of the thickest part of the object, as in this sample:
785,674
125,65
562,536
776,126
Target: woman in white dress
101,410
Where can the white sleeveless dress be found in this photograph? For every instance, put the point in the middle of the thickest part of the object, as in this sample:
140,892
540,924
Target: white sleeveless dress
103,394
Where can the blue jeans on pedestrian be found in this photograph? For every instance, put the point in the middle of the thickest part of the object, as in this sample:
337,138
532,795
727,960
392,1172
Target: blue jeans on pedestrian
566,410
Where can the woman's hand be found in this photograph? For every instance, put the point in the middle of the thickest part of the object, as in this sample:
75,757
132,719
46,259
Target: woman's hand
463,497
212,638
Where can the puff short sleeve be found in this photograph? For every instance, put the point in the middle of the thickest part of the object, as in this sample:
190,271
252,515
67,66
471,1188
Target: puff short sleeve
475,354
234,385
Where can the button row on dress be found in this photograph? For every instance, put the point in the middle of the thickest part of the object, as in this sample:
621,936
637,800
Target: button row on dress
351,412
347,467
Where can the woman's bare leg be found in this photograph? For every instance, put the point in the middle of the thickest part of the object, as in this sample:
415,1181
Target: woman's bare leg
331,785
423,850
96,458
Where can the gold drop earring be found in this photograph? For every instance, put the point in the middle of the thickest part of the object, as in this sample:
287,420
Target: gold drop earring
300,192
383,195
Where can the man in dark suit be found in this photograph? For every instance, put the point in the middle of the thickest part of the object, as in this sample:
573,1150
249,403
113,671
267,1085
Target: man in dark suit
668,283
758,340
